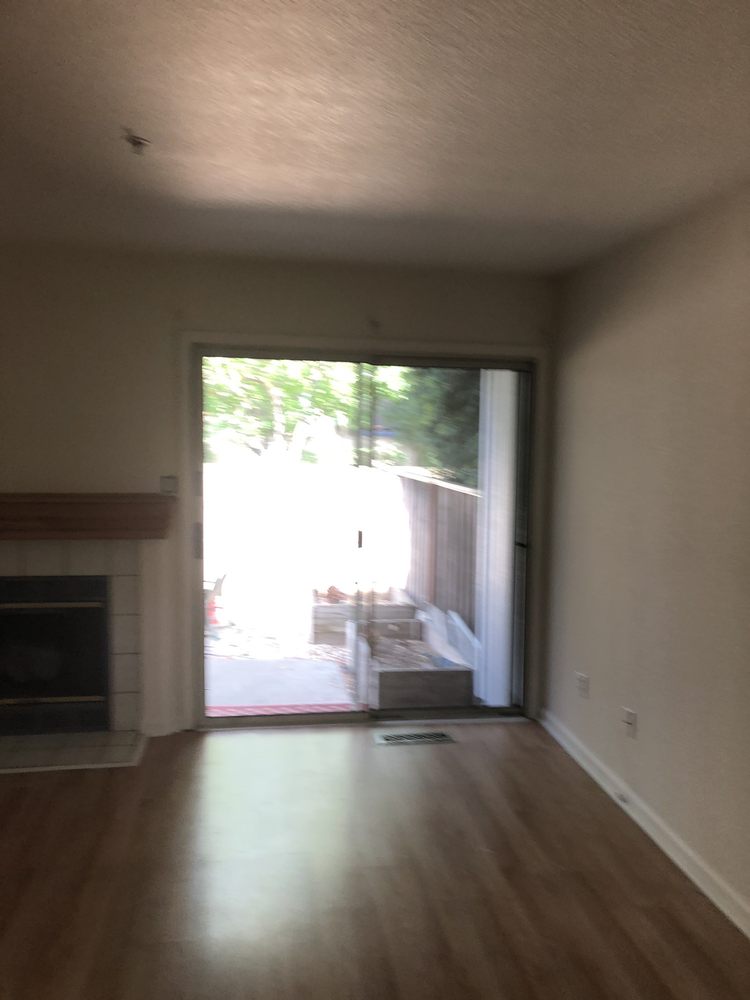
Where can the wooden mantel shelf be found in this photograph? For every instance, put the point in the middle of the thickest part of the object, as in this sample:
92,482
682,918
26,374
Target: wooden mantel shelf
29,516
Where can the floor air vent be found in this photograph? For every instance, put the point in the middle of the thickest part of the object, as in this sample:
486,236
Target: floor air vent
409,739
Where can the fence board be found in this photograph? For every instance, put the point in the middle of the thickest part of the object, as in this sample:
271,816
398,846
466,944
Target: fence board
443,523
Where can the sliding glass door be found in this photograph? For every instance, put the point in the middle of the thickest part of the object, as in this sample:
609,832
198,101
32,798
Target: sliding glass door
364,537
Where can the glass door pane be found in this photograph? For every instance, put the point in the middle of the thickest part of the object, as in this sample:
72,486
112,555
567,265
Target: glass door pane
280,502
440,538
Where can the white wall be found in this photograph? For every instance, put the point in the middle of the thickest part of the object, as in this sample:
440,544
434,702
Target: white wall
650,583
89,374
92,356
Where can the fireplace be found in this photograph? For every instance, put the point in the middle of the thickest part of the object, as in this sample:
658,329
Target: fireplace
95,546
54,654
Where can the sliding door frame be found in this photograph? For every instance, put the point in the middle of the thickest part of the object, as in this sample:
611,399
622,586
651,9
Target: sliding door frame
527,429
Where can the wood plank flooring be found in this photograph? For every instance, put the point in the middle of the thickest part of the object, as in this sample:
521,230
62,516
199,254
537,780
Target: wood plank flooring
310,863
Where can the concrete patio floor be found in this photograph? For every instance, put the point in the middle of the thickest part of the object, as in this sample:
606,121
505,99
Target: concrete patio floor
284,683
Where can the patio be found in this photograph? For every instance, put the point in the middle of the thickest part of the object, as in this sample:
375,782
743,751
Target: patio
250,675
276,640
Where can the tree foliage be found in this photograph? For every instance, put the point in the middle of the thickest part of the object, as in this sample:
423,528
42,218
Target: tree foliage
255,402
431,414
436,416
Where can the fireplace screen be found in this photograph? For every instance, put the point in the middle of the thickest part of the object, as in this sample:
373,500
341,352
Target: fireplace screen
53,654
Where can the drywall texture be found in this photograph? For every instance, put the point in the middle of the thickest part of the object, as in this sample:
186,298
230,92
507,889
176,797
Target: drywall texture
650,582
522,133
89,380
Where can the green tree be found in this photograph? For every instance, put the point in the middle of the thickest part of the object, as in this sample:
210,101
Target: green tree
436,418
256,402
432,414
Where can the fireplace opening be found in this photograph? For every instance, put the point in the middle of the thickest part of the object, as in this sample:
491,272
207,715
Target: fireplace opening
53,654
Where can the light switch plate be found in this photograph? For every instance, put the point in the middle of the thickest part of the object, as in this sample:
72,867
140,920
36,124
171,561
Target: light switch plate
168,485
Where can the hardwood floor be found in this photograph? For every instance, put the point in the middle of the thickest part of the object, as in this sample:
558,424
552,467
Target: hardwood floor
310,863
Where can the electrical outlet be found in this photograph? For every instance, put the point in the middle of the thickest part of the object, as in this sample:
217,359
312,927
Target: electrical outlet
582,684
630,721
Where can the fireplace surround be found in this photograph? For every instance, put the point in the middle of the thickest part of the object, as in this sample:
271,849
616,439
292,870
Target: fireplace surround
117,563
103,538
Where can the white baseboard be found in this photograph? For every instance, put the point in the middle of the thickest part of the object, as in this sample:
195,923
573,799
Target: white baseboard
721,894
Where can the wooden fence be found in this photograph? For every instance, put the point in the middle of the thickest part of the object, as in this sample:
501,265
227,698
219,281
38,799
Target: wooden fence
443,524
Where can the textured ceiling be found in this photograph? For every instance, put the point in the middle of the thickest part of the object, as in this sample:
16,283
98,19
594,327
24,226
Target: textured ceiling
528,134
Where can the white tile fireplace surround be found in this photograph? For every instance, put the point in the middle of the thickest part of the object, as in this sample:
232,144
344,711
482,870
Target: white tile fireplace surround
119,561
